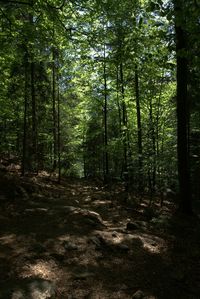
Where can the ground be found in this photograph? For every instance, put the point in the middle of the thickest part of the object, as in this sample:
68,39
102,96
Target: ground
81,239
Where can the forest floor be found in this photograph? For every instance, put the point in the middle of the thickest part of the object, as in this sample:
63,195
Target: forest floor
80,239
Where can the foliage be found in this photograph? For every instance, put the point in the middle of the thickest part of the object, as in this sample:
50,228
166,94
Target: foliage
85,56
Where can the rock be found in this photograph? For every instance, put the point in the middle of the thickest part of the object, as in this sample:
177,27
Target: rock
132,226
138,295
93,217
88,217
69,245
142,224
102,243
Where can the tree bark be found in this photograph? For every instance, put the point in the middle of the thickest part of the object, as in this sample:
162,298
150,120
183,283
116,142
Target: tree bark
59,145
23,163
33,101
106,169
34,116
153,138
182,111
139,125
54,111
124,118
118,101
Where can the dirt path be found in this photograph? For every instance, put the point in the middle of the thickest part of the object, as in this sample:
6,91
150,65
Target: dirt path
71,241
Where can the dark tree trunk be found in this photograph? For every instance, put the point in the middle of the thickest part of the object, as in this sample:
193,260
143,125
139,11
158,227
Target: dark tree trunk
34,120
59,145
24,153
54,111
182,111
106,169
33,100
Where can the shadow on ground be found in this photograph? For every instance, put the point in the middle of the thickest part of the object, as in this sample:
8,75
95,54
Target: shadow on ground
71,241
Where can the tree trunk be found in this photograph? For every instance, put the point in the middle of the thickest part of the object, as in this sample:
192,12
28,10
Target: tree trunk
24,153
34,120
139,129
33,101
153,152
59,145
124,119
182,112
106,169
54,111
118,102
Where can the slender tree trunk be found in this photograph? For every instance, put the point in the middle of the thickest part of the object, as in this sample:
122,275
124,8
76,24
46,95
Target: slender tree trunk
33,101
84,155
157,134
152,171
118,102
59,145
124,119
182,111
54,111
24,153
139,129
34,116
106,169
158,115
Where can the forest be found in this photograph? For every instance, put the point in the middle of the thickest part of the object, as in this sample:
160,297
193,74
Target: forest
99,149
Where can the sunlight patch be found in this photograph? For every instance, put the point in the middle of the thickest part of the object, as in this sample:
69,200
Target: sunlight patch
152,244
41,269
118,239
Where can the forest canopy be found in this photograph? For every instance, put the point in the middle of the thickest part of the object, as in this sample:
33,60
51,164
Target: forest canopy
103,89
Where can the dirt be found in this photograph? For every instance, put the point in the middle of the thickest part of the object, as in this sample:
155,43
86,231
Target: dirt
72,241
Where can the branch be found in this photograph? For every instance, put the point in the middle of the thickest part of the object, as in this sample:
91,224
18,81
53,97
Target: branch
7,18
66,29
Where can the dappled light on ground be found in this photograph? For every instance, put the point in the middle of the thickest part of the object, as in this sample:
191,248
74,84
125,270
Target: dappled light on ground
84,241
153,244
40,269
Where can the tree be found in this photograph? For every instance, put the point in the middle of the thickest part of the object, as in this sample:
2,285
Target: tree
88,88
182,108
